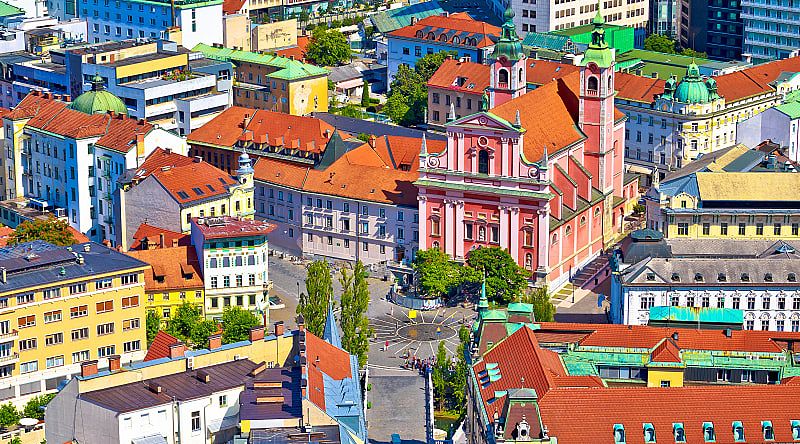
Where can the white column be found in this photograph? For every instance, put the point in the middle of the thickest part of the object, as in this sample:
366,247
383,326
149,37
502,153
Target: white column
449,227
514,214
543,238
459,164
459,240
515,158
423,222
504,170
451,150
504,227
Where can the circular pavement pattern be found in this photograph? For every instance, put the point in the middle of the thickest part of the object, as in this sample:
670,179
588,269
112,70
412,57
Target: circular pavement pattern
425,332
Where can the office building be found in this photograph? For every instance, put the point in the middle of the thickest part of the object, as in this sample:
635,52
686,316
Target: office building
714,27
770,30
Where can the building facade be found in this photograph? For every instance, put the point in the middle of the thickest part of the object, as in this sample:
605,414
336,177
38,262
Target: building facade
663,18
552,15
233,256
777,124
770,30
63,306
551,194
715,28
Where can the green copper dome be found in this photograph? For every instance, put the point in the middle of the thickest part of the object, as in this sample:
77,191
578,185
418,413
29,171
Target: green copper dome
98,100
598,51
509,45
693,89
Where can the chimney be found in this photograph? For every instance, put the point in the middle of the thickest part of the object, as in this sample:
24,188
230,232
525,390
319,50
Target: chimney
197,159
275,399
140,148
728,332
79,260
301,323
372,140
87,247
67,98
114,363
174,242
214,341
257,333
247,119
161,240
177,350
203,376
88,368
279,329
154,387
107,243
675,336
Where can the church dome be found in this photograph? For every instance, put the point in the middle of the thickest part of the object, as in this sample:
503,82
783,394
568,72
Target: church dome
692,88
98,100
509,44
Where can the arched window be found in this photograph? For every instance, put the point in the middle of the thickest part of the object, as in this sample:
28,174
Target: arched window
502,77
583,220
456,40
555,238
431,36
597,212
527,238
483,162
528,261
419,34
520,74
568,231
591,84
443,38
609,83
213,263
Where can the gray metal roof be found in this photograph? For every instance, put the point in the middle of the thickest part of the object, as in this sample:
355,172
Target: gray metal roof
696,272
357,126
39,263
731,248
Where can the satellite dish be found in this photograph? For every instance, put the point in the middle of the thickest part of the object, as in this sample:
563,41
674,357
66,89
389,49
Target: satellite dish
28,422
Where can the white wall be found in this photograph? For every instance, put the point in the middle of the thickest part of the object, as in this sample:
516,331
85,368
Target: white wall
208,29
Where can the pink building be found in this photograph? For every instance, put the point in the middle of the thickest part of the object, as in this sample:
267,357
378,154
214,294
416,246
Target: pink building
539,173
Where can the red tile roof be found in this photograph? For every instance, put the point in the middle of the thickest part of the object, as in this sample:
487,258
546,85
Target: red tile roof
5,234
223,227
160,346
324,358
160,158
298,51
148,235
474,74
79,237
667,351
232,6
637,88
171,269
753,81
540,72
264,127
187,179
122,133
484,33
35,104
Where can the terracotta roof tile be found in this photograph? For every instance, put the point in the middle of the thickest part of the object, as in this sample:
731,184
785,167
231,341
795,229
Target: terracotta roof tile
35,104
298,51
324,358
186,179
70,123
455,24
227,227
540,72
171,268
753,81
122,132
160,347
667,351
637,88
232,6
148,234
475,74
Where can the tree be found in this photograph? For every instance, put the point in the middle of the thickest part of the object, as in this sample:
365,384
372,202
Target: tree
689,52
436,273
659,43
365,95
314,306
355,301
543,309
408,97
505,280
236,324
456,385
34,407
152,325
439,376
51,230
9,415
328,47
201,331
183,320
428,65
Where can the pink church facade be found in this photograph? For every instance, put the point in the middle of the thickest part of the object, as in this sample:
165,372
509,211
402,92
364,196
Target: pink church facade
538,174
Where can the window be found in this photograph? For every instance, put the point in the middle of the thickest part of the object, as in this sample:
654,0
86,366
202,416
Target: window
26,321
80,333
706,229
738,431
131,301
619,433
79,311
131,346
77,288
765,303
483,162
54,361
649,433
435,228
647,302
196,421
29,367
106,306
104,283
105,329
683,228
765,324
759,229
27,344
795,229
26,298
723,229
54,339
129,279
223,400
674,301
52,316
51,293
742,229
80,356
708,432
769,432
130,324
776,229
104,352
213,282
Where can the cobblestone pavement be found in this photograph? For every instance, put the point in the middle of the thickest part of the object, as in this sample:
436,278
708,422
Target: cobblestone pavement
398,406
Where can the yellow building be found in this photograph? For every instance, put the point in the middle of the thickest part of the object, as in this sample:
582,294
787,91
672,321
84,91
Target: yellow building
718,202
62,306
174,277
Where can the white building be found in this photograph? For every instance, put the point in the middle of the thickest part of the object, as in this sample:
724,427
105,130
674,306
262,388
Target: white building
757,278
233,256
778,124
552,15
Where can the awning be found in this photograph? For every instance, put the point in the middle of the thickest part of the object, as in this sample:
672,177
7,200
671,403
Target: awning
150,439
639,169
228,422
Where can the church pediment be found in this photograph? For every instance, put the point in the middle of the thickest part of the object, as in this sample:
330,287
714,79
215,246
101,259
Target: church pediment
485,120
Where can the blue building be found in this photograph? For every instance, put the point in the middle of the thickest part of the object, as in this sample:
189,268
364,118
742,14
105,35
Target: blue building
458,33
771,29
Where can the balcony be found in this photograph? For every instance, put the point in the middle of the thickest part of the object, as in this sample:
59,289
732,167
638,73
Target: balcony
9,358
10,336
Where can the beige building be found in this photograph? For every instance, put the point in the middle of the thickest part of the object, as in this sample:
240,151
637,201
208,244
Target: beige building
276,35
236,31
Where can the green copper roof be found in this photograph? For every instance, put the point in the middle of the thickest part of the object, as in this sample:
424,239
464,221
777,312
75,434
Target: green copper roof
701,315
693,89
98,101
288,69
520,307
598,51
509,44
7,10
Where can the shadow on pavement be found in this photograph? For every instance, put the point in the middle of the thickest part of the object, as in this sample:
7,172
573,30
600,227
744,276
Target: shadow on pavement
583,318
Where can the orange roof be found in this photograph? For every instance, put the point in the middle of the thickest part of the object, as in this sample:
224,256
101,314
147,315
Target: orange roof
5,234
79,237
147,235
187,179
460,23
161,158
122,133
461,76
264,127
278,172
35,104
753,81
70,123
667,351
171,268
232,6
637,88
540,72
227,227
324,358
160,347
298,51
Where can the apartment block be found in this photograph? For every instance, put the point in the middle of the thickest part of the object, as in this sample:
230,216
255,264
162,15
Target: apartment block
63,306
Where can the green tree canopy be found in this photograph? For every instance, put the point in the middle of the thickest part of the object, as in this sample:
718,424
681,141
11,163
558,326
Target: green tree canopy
436,273
430,63
365,94
505,280
35,407
51,230
355,301
236,324
314,305
660,43
328,47
689,52
407,101
9,415
152,325
543,309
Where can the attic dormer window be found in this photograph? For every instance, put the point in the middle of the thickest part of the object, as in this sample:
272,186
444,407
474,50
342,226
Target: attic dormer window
651,276
745,277
649,433
698,277
768,277
678,432
708,432
768,431
675,277
792,277
619,433
795,429
722,277
738,431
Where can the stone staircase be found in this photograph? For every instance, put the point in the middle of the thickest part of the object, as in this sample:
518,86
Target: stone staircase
582,281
